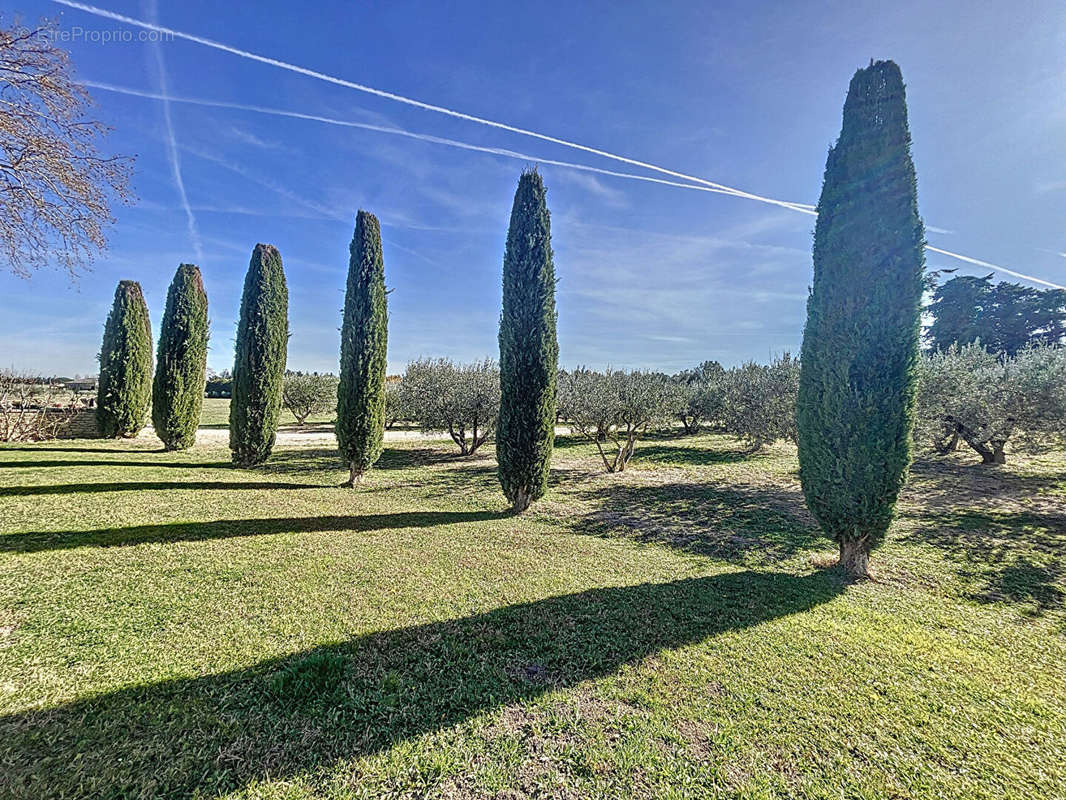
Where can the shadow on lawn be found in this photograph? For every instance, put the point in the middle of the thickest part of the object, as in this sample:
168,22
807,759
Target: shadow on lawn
303,713
115,462
694,456
1017,557
136,486
36,541
742,524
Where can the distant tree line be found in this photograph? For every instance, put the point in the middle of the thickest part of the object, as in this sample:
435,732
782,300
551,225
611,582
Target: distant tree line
1003,317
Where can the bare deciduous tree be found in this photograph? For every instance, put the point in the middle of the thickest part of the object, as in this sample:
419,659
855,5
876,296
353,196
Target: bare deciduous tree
32,410
56,188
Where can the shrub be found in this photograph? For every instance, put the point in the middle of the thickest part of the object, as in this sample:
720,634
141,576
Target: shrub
617,407
307,393
364,342
463,400
181,361
124,390
529,349
701,388
259,362
757,403
860,345
396,405
987,400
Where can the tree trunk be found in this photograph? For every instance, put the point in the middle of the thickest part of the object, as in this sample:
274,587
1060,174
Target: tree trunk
521,500
355,475
855,557
994,455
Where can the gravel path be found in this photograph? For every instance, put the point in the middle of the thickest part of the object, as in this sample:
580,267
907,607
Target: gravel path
314,434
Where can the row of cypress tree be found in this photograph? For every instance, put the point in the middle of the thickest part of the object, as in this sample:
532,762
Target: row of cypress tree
529,350
858,365
126,388
528,355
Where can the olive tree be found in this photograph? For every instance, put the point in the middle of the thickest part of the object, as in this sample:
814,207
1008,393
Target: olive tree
463,399
757,402
614,408
308,393
396,405
701,389
987,400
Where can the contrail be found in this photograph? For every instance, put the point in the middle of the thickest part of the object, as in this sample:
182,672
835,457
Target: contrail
424,137
720,188
996,267
102,12
802,208
172,145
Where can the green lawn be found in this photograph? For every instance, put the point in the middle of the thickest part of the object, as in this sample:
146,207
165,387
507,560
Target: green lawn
215,414
171,626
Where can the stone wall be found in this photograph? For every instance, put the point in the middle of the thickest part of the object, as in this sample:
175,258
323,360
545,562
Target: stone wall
82,424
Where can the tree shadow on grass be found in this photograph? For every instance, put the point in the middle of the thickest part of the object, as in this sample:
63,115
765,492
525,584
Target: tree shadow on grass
1015,557
300,715
695,456
740,524
115,462
34,448
36,541
404,457
136,486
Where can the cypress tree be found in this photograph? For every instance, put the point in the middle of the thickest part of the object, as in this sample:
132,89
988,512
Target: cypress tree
181,361
124,390
860,344
364,342
529,349
259,362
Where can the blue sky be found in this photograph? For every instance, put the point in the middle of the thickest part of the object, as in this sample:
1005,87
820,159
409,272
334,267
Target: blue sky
748,94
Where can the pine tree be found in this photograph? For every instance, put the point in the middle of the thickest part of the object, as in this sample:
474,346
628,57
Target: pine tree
259,363
364,342
529,349
181,361
124,390
860,345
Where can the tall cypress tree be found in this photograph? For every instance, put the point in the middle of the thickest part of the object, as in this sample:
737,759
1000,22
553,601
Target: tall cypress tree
529,349
860,345
259,362
124,390
364,342
181,361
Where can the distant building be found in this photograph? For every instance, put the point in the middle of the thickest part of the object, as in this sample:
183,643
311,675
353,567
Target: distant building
81,386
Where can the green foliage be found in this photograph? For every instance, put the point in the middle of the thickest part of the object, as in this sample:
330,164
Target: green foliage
1006,317
463,400
989,399
529,349
364,342
181,361
307,393
860,345
259,362
614,408
757,402
701,389
124,391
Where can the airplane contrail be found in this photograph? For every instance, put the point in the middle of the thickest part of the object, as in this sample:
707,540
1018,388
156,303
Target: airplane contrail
322,76
996,267
172,145
720,188
424,137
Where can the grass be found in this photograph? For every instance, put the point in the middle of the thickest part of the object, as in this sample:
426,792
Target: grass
171,626
215,414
